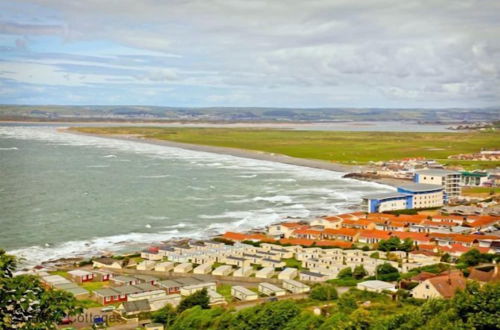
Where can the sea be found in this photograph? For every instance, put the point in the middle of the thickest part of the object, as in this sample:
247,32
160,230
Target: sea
66,195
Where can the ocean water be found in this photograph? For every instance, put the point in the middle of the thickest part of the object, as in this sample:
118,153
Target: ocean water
65,195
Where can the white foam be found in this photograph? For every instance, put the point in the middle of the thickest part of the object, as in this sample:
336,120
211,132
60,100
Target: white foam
274,199
11,148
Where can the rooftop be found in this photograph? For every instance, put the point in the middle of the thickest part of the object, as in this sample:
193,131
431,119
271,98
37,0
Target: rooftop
388,195
437,172
420,187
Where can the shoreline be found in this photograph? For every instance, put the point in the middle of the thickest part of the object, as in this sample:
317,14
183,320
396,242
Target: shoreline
258,155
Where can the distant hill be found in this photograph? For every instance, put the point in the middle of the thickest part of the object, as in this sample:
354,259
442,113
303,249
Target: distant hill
150,113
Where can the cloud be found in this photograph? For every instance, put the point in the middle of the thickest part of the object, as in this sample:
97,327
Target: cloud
277,53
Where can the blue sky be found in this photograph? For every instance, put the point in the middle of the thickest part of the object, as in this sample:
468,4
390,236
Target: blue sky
293,53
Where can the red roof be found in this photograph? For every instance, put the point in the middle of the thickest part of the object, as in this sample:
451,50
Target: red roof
342,231
243,237
483,220
340,244
375,234
447,285
234,236
297,241
307,232
332,218
291,224
421,237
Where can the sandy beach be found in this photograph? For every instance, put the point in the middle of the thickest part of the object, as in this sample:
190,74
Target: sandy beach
312,163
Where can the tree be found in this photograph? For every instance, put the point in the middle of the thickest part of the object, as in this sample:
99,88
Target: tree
269,316
345,273
390,244
199,298
165,315
25,304
446,257
324,292
347,304
304,321
359,272
386,272
406,245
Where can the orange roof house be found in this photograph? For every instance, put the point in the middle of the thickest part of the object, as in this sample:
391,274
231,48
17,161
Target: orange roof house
373,236
418,238
344,234
444,286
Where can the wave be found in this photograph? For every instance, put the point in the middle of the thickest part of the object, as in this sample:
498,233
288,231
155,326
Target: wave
10,148
154,176
109,156
97,166
274,199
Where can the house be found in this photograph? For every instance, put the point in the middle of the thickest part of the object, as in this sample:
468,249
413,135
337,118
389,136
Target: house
170,286
483,275
314,276
102,275
147,279
243,294
107,263
149,295
288,274
331,222
376,286
125,280
373,236
164,266
417,238
190,289
295,286
160,302
266,262
343,234
109,296
52,280
81,276
237,261
266,272
283,230
443,286
73,288
307,234
203,269
185,267
130,308
146,265
223,270
243,272
270,289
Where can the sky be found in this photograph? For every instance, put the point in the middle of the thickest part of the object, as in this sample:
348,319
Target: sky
281,53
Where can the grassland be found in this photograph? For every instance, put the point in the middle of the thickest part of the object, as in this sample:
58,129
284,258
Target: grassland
333,146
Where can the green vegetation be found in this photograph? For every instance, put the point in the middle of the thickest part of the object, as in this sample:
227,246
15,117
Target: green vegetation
87,303
480,190
343,147
225,290
324,292
395,244
475,257
199,298
386,272
25,304
294,263
92,286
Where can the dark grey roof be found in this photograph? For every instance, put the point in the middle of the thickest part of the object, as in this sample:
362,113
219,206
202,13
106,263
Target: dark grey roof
108,261
235,258
388,195
437,172
187,280
420,187
136,306
76,291
127,289
146,278
169,284
312,274
123,279
271,260
146,287
106,292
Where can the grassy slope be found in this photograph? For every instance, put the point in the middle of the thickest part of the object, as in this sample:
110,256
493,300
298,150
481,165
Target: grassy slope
344,147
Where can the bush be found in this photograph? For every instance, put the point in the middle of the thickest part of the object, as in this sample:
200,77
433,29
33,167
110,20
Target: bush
199,298
324,292
345,273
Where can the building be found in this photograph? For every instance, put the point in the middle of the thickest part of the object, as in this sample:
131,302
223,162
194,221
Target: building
473,179
266,272
215,298
190,289
164,266
271,289
146,265
243,294
125,280
130,308
423,195
443,286
183,268
81,276
483,275
243,272
102,275
203,269
449,180
288,273
170,286
107,263
376,286
376,203
223,270
295,286
314,276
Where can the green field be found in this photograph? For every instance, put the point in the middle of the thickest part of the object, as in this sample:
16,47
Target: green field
342,147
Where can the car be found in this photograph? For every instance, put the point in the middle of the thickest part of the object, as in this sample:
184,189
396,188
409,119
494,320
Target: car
66,321
108,309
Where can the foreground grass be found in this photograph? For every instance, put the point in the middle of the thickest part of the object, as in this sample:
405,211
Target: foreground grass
343,147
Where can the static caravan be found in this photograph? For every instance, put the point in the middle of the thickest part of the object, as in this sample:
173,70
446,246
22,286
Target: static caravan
288,274
109,296
295,286
266,272
271,290
146,265
243,294
125,280
52,280
203,269
81,276
147,279
224,270
183,268
243,272
146,295
164,266
215,297
237,261
152,254
190,289
267,262
313,277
